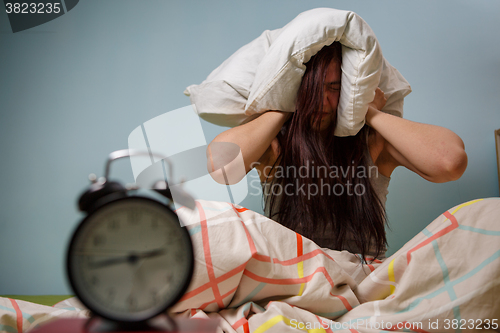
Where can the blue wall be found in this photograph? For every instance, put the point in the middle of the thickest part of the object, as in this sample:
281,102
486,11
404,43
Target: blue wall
73,89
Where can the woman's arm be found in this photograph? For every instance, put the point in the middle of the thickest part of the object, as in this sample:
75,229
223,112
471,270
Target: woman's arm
435,153
226,164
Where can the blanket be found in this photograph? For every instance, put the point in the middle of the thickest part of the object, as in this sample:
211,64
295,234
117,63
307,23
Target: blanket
255,275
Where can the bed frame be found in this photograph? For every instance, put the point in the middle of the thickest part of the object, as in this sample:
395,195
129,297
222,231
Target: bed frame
497,143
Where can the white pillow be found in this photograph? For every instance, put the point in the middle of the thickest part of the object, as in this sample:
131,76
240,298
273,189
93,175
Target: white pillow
266,73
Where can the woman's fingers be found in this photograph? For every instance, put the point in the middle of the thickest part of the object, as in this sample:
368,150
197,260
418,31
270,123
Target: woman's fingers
379,100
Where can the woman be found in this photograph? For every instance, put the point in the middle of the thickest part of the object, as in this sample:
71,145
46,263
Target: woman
342,206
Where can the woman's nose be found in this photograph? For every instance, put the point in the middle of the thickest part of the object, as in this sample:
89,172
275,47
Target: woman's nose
325,99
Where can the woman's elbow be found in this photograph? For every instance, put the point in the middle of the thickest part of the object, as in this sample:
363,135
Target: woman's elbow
454,165
226,175
225,168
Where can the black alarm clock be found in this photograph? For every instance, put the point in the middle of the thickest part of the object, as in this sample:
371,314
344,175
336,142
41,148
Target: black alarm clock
129,259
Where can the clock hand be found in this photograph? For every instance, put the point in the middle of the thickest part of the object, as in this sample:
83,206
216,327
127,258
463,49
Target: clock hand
109,262
131,258
138,275
152,253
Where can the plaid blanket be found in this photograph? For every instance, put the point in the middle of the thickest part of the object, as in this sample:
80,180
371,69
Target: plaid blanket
255,275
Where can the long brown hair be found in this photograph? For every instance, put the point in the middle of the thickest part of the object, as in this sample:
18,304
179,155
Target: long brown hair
343,219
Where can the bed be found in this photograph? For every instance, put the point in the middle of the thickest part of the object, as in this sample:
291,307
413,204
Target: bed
264,277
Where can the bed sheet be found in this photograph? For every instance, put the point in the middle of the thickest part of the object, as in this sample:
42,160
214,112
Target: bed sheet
255,275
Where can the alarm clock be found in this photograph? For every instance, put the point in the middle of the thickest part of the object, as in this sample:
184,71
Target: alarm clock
129,259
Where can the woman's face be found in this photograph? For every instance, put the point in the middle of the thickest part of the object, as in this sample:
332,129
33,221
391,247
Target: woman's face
331,94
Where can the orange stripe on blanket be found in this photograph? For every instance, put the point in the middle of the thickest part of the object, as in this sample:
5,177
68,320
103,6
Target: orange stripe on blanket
377,261
207,285
208,257
253,249
327,328
19,315
454,225
291,280
344,301
251,244
241,210
300,264
240,322
261,257
300,250
204,305
301,258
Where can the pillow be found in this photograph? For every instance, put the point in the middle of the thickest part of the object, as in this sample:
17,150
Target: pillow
266,73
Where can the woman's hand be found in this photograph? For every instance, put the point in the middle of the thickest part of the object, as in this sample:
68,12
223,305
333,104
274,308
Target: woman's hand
379,100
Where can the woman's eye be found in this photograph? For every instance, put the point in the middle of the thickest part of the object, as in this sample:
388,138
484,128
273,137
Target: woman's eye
333,87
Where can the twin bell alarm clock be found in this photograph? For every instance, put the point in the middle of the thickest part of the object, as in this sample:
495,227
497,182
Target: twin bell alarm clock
129,259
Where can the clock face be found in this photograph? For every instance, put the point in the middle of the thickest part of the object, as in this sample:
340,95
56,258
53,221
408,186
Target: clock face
130,259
